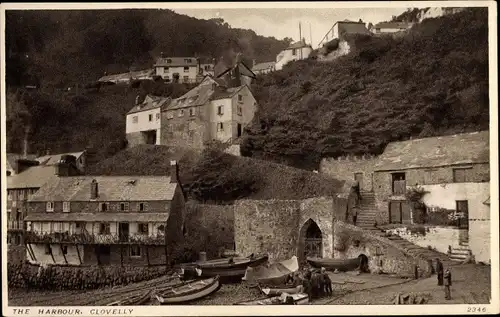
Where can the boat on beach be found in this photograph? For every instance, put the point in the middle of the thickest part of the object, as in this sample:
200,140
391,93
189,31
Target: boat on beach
232,267
186,292
134,300
277,291
298,299
342,265
272,274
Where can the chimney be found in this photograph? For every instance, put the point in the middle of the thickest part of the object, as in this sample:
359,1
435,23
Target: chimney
94,189
253,63
174,171
137,99
25,141
23,164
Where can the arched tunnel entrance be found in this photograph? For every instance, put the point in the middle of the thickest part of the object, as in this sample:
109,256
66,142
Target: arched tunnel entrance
363,263
311,240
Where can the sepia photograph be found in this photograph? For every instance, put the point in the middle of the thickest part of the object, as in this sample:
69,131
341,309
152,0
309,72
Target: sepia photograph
208,156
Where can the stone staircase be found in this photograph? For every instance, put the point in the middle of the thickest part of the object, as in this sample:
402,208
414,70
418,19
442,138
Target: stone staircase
367,211
460,253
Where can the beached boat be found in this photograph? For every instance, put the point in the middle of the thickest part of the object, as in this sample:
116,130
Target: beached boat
342,265
276,291
134,300
232,267
272,274
190,273
186,292
298,299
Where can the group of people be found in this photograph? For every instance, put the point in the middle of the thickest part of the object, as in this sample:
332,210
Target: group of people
315,283
444,277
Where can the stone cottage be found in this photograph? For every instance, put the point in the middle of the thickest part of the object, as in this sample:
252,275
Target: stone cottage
453,171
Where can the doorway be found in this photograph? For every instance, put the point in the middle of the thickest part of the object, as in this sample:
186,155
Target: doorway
239,129
123,231
311,241
103,253
399,212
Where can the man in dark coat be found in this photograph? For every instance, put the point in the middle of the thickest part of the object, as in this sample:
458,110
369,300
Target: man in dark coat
439,271
306,283
326,282
447,284
317,290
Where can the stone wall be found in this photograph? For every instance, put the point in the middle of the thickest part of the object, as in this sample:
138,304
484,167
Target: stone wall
277,227
438,238
216,220
134,138
185,131
480,239
383,255
344,168
16,254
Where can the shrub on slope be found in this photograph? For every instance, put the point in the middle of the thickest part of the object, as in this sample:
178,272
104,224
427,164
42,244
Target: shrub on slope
432,82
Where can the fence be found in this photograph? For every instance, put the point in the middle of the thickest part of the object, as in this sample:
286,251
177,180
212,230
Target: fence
88,238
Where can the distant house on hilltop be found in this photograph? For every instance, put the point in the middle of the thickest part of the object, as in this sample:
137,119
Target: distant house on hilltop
390,27
177,69
264,68
342,28
233,72
296,51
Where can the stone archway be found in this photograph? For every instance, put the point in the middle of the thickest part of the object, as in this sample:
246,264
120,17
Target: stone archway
311,241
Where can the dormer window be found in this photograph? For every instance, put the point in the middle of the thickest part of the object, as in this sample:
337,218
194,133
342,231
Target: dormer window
50,206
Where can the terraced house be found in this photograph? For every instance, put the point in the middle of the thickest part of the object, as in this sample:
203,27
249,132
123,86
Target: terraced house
84,220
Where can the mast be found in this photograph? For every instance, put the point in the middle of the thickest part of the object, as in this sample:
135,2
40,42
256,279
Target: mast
300,39
310,34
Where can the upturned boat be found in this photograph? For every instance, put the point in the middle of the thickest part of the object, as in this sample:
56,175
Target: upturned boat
272,274
186,292
277,291
298,299
342,265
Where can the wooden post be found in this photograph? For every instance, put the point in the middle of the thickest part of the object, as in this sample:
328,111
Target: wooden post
78,252
121,254
64,255
147,254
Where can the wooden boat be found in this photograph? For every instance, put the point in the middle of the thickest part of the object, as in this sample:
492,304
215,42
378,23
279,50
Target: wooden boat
342,265
134,300
277,291
189,273
225,267
273,274
298,299
186,292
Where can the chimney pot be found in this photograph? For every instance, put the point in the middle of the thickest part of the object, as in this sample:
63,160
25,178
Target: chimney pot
173,171
94,189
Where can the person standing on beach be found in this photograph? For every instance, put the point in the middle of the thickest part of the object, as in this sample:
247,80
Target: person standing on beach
439,272
447,284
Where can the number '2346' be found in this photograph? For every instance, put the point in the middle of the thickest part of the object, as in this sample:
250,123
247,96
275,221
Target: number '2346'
476,309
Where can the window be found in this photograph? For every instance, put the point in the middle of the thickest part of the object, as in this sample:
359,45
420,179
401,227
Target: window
185,79
57,226
462,175
143,206
398,183
294,52
166,69
48,250
104,228
192,111
186,69
150,117
220,127
103,207
187,60
14,203
181,113
124,206
66,206
220,110
9,195
207,67
240,98
50,206
64,249
170,115
135,119
169,61
157,116
143,228
240,110
135,251
8,173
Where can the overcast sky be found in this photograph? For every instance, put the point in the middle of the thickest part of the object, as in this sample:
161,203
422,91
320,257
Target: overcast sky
282,23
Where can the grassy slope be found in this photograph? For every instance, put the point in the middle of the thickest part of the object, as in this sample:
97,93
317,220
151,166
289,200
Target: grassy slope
212,176
432,82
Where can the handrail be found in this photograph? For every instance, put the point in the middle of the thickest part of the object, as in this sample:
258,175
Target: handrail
84,237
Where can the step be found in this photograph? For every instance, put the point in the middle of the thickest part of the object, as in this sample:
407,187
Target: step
460,251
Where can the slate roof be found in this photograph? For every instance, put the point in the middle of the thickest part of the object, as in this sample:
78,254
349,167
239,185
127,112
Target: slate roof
243,68
53,159
176,61
392,25
348,27
227,93
11,161
99,217
149,103
126,76
464,148
298,44
263,66
111,188
32,177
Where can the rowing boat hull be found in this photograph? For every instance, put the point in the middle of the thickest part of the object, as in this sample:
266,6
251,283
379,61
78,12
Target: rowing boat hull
335,264
274,274
172,297
272,291
298,299
239,263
